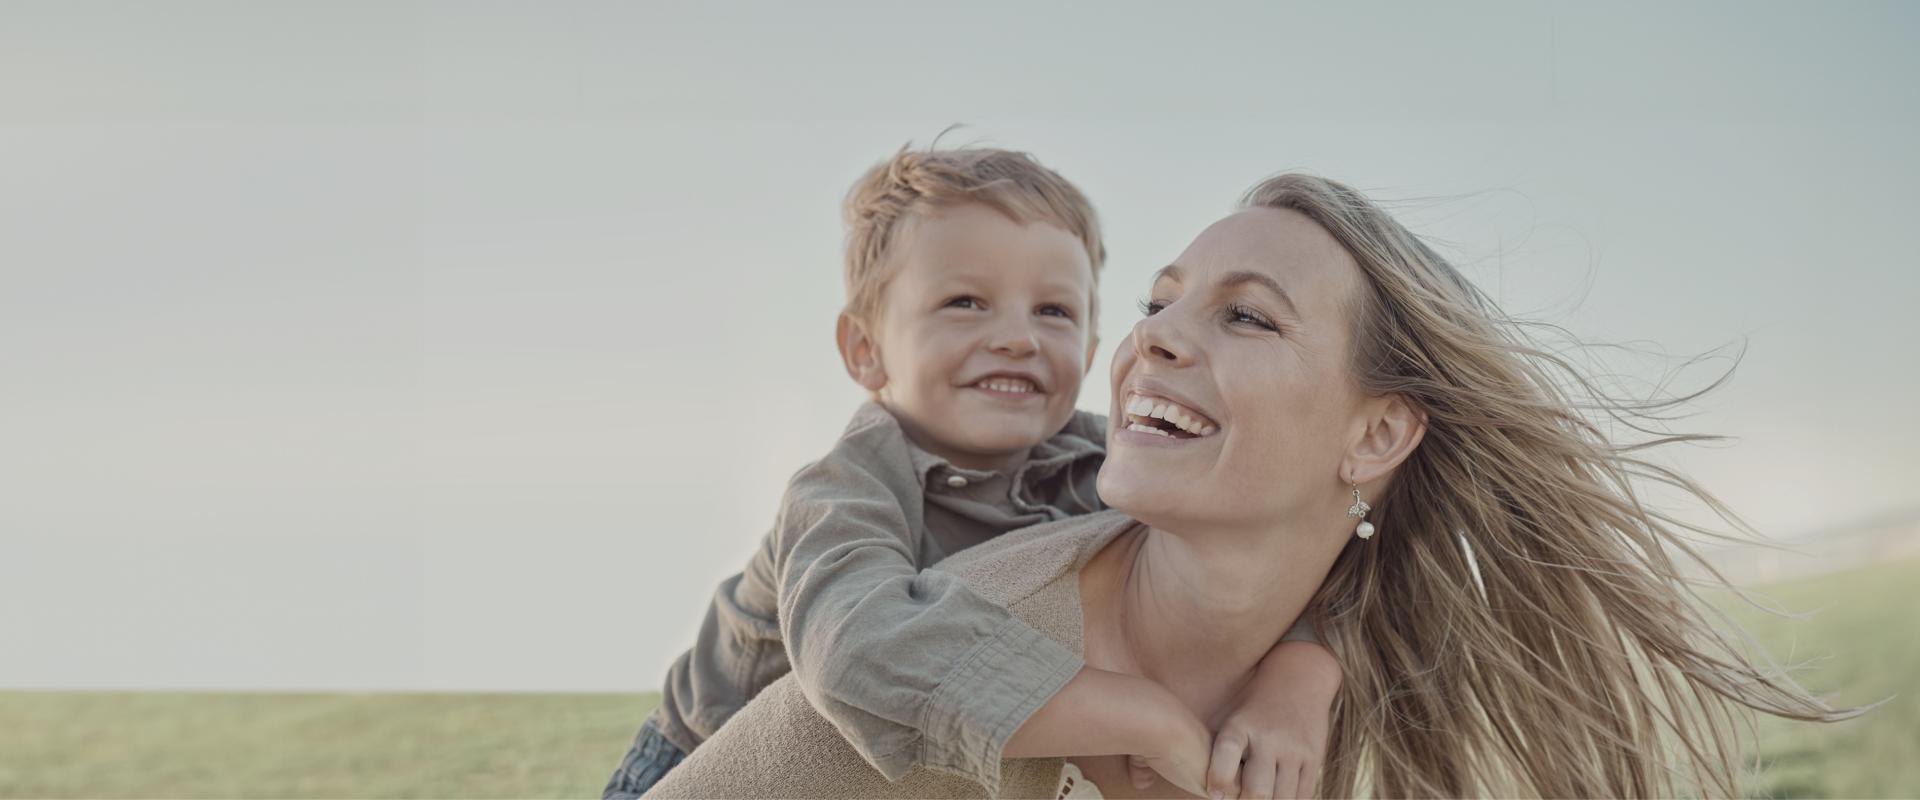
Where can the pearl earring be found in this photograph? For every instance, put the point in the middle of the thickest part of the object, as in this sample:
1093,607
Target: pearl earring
1360,509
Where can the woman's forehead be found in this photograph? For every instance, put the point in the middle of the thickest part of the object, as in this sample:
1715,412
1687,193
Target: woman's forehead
1284,244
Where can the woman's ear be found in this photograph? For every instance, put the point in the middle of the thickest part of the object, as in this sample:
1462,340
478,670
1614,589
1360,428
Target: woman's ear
1394,427
858,353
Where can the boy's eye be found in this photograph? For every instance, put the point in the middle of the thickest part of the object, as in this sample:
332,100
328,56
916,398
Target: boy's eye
1057,310
963,301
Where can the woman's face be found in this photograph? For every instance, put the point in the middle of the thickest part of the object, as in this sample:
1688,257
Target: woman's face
1248,333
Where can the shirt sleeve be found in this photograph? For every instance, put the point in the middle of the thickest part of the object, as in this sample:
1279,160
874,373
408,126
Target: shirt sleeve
912,667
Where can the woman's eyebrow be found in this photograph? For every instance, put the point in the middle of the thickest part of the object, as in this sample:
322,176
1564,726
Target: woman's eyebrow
1242,277
1236,279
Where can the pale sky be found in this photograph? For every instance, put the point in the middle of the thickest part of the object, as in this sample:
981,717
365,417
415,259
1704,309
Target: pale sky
467,346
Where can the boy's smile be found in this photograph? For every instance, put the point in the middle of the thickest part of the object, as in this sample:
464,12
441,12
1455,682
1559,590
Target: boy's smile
983,336
1010,385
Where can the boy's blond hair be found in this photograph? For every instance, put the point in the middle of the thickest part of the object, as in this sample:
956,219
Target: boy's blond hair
882,205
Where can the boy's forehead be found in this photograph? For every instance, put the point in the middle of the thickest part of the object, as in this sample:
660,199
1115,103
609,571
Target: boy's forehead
974,242
1063,275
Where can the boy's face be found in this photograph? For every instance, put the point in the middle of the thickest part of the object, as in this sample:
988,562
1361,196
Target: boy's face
982,339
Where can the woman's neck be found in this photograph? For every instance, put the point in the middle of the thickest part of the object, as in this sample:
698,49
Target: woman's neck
1196,613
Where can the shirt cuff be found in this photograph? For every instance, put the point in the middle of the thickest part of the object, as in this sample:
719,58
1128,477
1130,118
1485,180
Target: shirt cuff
988,696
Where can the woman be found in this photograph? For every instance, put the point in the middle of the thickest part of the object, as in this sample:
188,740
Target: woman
1378,448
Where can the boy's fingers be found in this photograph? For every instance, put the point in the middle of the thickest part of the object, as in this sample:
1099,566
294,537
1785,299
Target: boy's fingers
1286,781
1223,770
1257,776
1140,772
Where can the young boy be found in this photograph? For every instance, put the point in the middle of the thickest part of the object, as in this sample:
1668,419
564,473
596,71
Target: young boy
971,279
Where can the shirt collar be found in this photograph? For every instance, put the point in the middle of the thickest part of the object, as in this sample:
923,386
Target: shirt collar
1083,436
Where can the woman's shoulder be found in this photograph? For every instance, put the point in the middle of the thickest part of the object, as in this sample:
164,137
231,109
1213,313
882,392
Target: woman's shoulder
1015,565
779,746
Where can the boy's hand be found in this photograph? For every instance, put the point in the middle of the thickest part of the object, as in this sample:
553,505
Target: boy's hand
1181,758
1273,741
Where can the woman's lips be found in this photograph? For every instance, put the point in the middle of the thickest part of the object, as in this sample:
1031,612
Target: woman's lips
1158,416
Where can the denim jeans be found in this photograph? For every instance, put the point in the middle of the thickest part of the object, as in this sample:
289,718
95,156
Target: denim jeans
646,763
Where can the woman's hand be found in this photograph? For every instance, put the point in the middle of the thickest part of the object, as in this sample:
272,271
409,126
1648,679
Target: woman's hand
1273,741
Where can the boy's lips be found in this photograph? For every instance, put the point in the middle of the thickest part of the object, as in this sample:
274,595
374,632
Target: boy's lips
1016,398
1009,384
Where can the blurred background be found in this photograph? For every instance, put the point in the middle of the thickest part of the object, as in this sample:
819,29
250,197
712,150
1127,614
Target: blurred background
385,386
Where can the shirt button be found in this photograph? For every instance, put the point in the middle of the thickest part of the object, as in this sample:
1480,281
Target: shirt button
957,481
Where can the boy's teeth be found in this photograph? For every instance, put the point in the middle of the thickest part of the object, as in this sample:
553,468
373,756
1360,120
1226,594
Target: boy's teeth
1013,385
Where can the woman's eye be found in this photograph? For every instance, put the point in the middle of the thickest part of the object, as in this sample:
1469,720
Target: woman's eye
1149,308
1249,316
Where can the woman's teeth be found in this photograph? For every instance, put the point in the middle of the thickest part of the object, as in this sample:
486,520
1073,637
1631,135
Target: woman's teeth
1014,385
1141,408
1145,429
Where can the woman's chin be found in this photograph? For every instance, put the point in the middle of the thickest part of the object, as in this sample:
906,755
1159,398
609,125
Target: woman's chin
1146,500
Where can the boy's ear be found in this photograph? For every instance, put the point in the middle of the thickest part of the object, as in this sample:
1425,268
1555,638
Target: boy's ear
858,353
1093,345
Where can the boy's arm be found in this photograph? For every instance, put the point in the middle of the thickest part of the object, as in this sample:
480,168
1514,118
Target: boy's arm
911,666
1111,713
1279,723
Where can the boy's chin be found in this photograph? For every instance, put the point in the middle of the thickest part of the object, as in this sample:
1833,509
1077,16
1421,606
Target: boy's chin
1003,441
1000,446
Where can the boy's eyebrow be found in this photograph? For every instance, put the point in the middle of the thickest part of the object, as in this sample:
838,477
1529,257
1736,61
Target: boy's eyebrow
1238,278
955,277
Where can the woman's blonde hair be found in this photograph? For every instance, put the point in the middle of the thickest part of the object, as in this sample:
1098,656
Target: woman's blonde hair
1520,625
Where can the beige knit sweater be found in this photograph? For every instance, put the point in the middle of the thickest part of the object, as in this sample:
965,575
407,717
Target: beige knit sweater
778,746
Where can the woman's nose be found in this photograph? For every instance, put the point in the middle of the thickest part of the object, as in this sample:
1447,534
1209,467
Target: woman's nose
1157,338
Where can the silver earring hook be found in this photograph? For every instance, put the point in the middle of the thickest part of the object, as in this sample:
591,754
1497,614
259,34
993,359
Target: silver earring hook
1359,509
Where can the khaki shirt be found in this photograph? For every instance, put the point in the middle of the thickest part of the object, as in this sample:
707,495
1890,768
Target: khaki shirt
780,746
911,667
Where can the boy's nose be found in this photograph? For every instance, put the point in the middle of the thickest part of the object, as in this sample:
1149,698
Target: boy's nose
1014,342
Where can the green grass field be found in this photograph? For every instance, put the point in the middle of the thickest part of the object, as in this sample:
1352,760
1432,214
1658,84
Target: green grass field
152,744
168,745
1861,645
